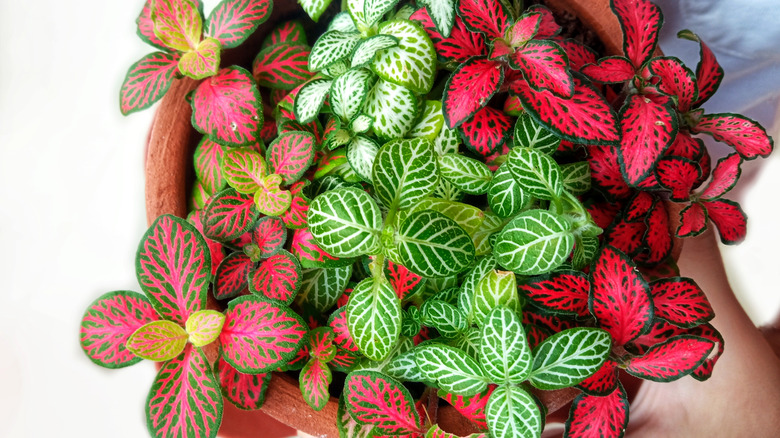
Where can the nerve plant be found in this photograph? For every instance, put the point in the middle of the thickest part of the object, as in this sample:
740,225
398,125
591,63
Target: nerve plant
340,227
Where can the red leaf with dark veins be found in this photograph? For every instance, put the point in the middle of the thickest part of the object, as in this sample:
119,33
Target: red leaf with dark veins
546,321
548,28
640,21
675,79
598,417
535,335
639,206
603,213
648,129
707,331
486,131
232,276
603,381
680,301
470,88
490,17
620,297
685,146
708,72
705,164
729,218
724,177
693,221
660,332
579,54
671,360
564,292
678,175
545,66
609,70
748,137
658,237
459,47
625,236
605,172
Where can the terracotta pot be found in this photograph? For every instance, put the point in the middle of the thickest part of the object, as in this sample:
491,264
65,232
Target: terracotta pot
169,174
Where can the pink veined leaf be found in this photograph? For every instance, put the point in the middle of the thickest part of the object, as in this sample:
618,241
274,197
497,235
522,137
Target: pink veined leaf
283,66
743,134
268,131
490,17
173,267
215,248
147,81
185,399
228,215
548,28
203,61
227,107
584,118
693,220
564,292
680,301
373,398
315,378
609,70
437,432
158,341
598,417
177,23
288,32
729,218
309,253
244,169
648,129
344,360
640,21
269,234
675,80
470,88
513,106
405,283
724,177
278,277
232,276
603,381
487,131
245,391
109,322
671,360
259,336
524,29
545,320
685,146
298,361
708,72
208,165
321,342
639,206
232,21
707,331
145,28
198,198
620,297
459,47
342,338
472,407
296,216
626,236
314,128
578,53
605,172
290,155
660,332
545,66
658,237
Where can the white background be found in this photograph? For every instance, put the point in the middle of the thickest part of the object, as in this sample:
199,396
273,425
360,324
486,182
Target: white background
72,210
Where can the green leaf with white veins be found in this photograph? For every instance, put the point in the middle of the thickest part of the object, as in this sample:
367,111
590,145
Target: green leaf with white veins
365,51
453,370
348,92
342,22
569,357
375,9
310,99
467,216
361,124
467,174
530,134
336,69
322,287
430,122
469,342
361,152
374,318
412,63
447,141
433,245
496,289
512,413
485,235
314,8
534,242
576,177
536,173
404,367
404,172
393,109
330,48
345,222
356,10
442,12
505,354
469,287
447,319
504,195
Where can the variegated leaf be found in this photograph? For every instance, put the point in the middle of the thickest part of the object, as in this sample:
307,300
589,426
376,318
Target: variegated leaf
430,122
648,129
562,292
405,171
491,17
145,29
495,289
452,369
575,177
447,319
375,399
433,245
288,32
147,81
469,286
504,195
270,198
531,134
361,152
321,287
244,169
330,48
282,66
536,173
297,215
348,92
640,22
393,108
232,276
412,63
544,65
748,137
469,217
233,21
310,254
569,357
245,391
442,13
269,234
310,98
598,415
672,359
373,10
513,412
203,61
374,318
277,278
290,155
472,407
348,427
228,215
315,8
208,165
177,23
680,301
467,174
504,352
203,327
346,222
534,242
470,88
315,378
368,48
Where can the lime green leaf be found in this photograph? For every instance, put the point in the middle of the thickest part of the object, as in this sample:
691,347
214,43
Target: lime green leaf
504,195
535,172
309,100
467,174
433,245
331,47
484,236
576,177
374,318
505,354
270,199
204,327
348,93
453,370
404,172
512,413
158,341
496,289
569,357
244,169
530,134
345,222
430,122
412,63
534,242
203,61
393,109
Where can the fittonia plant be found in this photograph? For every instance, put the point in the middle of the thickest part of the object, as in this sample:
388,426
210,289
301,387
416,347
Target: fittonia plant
449,195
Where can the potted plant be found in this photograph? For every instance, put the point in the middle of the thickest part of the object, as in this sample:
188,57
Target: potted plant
442,201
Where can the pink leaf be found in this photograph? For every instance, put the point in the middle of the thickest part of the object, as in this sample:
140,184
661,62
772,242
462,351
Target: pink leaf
290,155
405,283
147,81
470,88
297,215
564,292
472,407
603,381
680,301
675,80
215,248
524,29
173,267
245,391
671,360
579,54
310,254
640,21
287,32
660,332
342,338
259,336
678,175
487,16
321,343
315,378
227,107
724,177
269,234
610,70
232,276
707,331
487,131
545,66
639,206
729,218
693,221
232,21
658,237
626,236
461,45
208,165
708,72
373,398
685,146
177,23
605,172
278,277
598,417
108,323
282,66
745,135
648,129
228,215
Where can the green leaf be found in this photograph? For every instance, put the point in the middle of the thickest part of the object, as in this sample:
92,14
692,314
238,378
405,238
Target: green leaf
356,10
495,289
204,327
430,122
447,141
393,109
244,169
158,341
511,412
309,100
342,22
470,342
362,124
404,367
569,357
447,319
535,242
331,47
322,287
348,93
361,152
585,249
442,13
453,370
536,173
315,8
504,195
270,199
433,245
402,346
345,222
530,134
467,174
374,9
367,49
576,177
404,172
374,318
468,289
484,236
467,216
412,63
505,354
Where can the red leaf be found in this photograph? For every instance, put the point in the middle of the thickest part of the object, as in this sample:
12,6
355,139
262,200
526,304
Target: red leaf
545,66
282,66
373,398
675,79
707,331
245,391
548,28
680,301
459,47
547,321
598,417
278,277
146,27
470,88
620,298
658,237
524,29
693,221
743,134
605,172
610,70
671,360
660,332
486,131
648,129
232,274
233,21
724,177
708,72
603,381
639,207
626,236
228,215
320,341
487,16
404,282
147,81
579,54
472,407
685,146
729,218
603,213
640,21
564,292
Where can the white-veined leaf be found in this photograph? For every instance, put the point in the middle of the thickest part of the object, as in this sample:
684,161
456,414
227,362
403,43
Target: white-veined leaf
356,10
367,49
585,249
468,289
342,22
512,413
393,109
470,342
412,63
442,13
336,69
345,222
536,173
433,245
447,141
331,47
447,319
322,287
348,92
495,289
361,152
452,369
373,10
504,195
485,235
576,177
404,367
430,122
314,8
467,216
505,354
309,100
404,172
534,242
467,174
530,134
569,357
374,318
361,124
402,346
